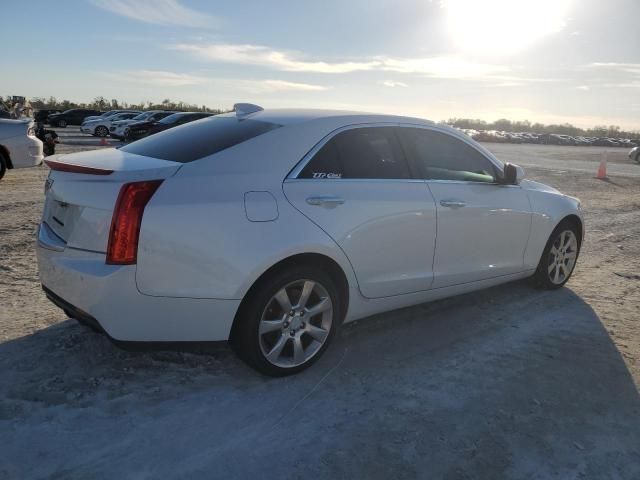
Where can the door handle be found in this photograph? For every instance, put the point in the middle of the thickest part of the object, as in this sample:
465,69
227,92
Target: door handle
452,203
325,201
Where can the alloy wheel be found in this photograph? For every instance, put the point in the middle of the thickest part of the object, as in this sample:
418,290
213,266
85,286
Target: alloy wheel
562,257
295,323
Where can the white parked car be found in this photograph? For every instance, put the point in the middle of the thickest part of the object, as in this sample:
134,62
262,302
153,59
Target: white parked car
19,146
118,128
271,228
99,127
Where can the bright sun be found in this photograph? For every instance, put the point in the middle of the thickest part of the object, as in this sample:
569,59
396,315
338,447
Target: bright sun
503,27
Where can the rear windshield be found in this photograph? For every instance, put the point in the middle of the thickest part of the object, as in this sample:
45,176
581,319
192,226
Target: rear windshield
199,139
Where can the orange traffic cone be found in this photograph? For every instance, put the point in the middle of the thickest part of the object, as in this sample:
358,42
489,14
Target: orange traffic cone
602,170
103,142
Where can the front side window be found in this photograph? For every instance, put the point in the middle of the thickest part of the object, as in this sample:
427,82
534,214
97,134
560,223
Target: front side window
370,152
440,156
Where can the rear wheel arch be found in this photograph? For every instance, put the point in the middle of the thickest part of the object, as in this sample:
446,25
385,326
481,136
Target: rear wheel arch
6,157
317,260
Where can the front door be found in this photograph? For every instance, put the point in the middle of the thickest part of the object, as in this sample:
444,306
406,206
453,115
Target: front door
483,226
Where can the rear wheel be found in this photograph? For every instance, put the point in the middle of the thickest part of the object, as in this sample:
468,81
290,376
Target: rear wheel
559,257
101,131
289,321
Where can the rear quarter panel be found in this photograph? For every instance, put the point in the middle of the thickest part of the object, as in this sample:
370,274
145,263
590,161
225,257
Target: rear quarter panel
196,240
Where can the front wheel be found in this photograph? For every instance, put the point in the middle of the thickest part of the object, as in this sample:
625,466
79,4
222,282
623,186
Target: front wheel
101,131
289,321
559,257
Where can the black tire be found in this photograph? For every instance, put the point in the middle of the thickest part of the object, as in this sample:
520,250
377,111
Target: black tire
3,165
543,278
101,131
62,123
248,343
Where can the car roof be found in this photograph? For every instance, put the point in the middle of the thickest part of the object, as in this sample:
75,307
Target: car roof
291,116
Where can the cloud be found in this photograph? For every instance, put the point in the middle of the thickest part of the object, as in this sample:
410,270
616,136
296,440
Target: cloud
282,85
156,78
158,12
393,83
267,57
443,67
633,68
583,87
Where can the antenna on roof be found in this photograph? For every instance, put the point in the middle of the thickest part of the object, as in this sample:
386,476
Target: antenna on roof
244,109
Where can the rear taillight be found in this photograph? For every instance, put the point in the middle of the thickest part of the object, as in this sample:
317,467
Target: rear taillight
127,218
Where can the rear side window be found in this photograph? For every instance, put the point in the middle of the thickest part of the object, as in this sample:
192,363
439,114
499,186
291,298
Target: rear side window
443,157
199,139
372,152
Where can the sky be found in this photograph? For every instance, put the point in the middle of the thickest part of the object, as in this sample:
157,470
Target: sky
549,61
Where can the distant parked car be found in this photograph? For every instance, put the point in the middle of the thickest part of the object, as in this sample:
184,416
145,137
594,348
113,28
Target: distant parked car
605,142
137,131
75,116
634,154
109,114
19,146
42,116
100,126
118,127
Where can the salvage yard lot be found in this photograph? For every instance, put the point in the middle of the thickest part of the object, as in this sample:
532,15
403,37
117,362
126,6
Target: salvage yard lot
509,382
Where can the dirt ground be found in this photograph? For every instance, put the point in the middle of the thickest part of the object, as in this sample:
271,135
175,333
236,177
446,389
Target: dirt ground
509,382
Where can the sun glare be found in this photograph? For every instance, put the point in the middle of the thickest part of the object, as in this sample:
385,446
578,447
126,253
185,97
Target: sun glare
503,27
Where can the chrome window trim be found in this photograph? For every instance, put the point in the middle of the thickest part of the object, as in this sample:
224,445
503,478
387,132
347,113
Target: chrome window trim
293,174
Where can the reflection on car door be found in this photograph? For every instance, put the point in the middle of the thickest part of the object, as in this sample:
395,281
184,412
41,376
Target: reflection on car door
483,227
358,188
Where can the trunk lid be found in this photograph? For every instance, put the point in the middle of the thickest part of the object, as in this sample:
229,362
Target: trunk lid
79,205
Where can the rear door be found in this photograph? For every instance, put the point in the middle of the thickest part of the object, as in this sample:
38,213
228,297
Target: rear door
483,226
358,187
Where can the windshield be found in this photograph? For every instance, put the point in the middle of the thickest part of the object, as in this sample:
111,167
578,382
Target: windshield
199,139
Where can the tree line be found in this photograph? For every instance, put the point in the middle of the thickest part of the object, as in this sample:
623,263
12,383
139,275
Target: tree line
101,103
506,125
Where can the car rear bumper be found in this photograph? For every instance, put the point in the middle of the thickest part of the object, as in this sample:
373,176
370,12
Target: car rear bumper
25,151
107,297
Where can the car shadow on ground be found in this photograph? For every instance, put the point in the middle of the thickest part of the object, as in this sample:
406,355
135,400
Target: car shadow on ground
509,382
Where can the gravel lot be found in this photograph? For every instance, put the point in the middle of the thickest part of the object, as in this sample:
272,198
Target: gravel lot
509,382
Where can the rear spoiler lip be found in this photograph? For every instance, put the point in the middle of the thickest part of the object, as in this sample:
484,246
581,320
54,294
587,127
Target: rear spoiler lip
71,168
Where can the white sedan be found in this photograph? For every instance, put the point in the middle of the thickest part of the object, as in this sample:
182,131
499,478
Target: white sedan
272,228
19,146
100,127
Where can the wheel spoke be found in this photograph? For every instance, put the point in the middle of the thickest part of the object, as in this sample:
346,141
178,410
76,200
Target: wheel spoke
267,326
317,333
556,276
551,267
274,354
563,237
554,251
322,306
306,292
298,351
570,255
283,299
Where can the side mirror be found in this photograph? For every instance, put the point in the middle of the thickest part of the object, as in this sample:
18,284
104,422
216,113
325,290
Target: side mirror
513,174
